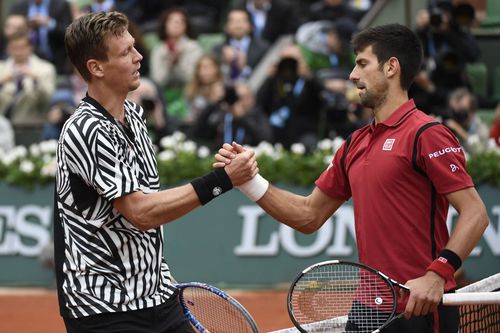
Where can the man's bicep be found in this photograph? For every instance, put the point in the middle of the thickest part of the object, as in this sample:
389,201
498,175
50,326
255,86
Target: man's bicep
126,204
466,198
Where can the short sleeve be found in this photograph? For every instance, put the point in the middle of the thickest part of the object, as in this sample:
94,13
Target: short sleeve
333,181
98,155
443,160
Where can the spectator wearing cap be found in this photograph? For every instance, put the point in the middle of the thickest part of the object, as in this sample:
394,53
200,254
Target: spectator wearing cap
61,107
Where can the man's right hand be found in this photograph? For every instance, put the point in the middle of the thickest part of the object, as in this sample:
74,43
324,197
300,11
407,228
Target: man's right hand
226,154
240,169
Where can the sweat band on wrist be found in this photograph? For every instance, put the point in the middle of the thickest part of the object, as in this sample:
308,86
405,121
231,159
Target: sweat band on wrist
452,257
441,267
212,185
255,188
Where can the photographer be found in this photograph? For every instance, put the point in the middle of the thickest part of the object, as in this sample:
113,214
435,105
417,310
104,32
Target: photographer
61,107
445,28
462,119
235,118
157,120
290,98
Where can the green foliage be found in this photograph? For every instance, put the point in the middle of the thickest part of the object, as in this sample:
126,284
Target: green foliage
484,168
180,160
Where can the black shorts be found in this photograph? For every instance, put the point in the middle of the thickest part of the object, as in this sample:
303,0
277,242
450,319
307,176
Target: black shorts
165,318
446,319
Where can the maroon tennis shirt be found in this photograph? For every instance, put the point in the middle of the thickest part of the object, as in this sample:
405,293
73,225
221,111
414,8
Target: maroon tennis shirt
398,173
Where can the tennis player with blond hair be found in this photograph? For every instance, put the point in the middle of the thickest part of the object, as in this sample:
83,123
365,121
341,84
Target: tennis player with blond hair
109,210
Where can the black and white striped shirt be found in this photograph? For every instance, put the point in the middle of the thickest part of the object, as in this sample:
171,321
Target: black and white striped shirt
103,263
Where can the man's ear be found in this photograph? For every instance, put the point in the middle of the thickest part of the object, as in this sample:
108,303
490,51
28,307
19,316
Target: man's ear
392,67
95,67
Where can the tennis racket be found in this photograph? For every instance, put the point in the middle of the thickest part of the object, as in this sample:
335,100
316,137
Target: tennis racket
341,296
211,310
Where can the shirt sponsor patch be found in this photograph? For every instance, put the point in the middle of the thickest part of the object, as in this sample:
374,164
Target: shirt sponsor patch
388,144
444,151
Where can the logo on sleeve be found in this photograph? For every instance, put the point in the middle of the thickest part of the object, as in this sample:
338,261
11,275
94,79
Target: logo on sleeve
445,151
454,168
388,144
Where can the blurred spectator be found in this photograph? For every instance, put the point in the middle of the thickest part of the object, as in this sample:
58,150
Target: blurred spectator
26,82
14,24
204,15
235,118
271,18
206,87
149,97
143,13
448,44
362,5
332,10
495,126
47,20
462,119
61,107
6,135
445,29
423,91
325,44
240,52
96,6
290,98
172,61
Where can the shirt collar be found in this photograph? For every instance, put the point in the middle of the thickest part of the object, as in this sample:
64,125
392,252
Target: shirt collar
251,7
399,115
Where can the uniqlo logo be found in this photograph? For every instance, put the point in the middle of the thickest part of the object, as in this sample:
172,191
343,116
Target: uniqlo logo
388,144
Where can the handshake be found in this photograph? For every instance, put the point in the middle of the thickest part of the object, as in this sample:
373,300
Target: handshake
241,167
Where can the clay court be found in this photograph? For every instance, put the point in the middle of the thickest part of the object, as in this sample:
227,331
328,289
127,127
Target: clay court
36,310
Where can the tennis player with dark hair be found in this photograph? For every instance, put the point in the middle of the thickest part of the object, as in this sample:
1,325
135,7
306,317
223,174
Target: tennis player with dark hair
109,211
402,171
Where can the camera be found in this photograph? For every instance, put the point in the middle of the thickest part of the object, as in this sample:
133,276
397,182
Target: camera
230,95
436,17
148,104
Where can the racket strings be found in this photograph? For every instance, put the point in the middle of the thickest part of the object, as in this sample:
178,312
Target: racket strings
328,295
216,314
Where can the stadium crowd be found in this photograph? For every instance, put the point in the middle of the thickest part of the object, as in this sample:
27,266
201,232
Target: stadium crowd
202,56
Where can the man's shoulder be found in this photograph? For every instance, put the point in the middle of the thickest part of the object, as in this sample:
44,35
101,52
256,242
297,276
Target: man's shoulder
83,119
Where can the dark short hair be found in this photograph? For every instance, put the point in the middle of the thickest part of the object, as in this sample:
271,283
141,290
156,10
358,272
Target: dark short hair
85,38
162,20
393,40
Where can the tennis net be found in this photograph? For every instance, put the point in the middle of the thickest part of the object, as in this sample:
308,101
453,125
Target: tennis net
478,318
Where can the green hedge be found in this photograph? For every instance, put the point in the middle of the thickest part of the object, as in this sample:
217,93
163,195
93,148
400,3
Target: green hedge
180,160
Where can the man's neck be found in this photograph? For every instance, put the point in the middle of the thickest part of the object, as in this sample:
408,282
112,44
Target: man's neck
109,100
392,103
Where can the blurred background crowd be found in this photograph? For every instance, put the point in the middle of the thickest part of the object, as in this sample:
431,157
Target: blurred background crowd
243,70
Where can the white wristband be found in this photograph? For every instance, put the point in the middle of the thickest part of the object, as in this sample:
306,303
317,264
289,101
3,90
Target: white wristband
255,188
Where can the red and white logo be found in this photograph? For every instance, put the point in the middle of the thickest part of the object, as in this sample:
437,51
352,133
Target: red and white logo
454,168
388,144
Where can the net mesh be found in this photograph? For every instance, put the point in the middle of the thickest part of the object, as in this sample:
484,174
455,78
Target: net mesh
481,318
